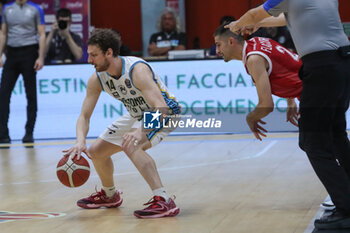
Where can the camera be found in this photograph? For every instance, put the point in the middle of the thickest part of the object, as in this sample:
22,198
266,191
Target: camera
62,24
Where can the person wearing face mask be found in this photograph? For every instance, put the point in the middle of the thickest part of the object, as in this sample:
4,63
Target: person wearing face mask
62,45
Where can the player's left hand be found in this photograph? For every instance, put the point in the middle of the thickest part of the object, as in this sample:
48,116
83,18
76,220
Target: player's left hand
131,140
256,128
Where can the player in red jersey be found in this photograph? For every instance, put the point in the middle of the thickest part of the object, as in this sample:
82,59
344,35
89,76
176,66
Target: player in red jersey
274,70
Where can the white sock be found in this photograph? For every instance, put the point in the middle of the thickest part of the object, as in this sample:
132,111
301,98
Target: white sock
161,192
110,191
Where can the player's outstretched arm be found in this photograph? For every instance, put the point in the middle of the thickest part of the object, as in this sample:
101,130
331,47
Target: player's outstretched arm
257,66
93,91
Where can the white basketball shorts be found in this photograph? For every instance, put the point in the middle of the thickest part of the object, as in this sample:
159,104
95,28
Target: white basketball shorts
115,132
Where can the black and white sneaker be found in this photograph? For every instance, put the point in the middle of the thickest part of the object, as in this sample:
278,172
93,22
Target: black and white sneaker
328,205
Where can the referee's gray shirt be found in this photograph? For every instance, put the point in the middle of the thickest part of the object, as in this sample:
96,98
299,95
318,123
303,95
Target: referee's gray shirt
314,24
22,22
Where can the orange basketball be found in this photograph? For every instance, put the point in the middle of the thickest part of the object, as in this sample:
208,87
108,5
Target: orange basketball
73,173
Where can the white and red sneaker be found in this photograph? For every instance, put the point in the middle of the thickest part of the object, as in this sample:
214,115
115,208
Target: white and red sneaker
158,208
100,199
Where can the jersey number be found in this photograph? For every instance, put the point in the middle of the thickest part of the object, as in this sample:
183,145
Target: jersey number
283,49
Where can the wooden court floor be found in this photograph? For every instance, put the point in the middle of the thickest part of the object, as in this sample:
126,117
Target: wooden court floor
223,183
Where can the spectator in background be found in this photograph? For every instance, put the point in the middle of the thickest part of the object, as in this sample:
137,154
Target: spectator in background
279,34
169,36
62,45
123,50
25,55
224,20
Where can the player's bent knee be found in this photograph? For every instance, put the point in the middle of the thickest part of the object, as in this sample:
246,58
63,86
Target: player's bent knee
92,153
130,151
96,154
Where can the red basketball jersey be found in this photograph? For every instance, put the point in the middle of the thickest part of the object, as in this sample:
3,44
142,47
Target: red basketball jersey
283,69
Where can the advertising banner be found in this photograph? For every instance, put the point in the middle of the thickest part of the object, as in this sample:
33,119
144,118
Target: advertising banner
208,90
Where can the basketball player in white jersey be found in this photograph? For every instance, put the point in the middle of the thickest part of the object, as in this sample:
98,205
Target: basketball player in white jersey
132,81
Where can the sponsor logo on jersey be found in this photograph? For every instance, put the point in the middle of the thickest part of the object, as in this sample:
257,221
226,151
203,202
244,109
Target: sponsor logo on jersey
111,131
116,94
127,83
122,89
133,102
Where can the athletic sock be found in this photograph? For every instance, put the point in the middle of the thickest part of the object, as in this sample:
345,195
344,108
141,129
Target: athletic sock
110,191
161,192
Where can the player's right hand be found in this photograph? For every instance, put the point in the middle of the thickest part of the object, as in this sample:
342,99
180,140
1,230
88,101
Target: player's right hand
76,150
256,127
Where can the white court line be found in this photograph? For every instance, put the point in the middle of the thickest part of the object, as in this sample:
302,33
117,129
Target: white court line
169,168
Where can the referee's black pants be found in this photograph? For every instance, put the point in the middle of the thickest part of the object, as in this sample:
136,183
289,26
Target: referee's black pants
19,60
322,125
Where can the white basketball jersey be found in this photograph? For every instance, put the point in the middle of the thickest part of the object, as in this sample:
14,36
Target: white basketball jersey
124,90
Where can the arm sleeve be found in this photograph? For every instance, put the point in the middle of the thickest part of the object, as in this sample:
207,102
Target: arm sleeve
275,7
3,15
39,18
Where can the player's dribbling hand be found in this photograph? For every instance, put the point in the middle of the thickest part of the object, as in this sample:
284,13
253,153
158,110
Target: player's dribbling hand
256,128
76,151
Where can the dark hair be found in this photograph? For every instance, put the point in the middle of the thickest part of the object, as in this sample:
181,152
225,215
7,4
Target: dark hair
226,32
227,19
105,39
63,12
3,2
116,31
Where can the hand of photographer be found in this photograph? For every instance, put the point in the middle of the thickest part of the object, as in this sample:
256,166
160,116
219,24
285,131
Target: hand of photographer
54,27
65,32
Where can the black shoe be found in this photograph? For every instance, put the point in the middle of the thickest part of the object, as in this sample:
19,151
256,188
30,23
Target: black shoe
335,220
28,138
5,139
